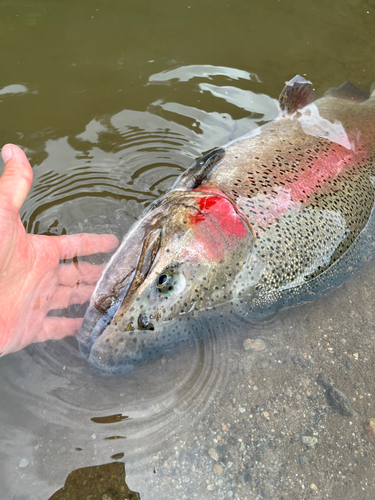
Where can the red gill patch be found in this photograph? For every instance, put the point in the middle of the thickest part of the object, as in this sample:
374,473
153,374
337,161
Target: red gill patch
216,226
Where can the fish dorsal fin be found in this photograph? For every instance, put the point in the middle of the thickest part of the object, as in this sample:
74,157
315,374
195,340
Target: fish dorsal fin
347,91
199,172
296,94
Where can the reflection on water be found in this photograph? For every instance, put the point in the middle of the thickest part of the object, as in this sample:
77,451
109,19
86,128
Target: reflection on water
97,483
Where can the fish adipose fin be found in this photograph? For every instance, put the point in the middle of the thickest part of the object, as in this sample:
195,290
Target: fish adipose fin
199,172
347,91
296,94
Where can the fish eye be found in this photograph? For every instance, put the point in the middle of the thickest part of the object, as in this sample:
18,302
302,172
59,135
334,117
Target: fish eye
165,281
170,281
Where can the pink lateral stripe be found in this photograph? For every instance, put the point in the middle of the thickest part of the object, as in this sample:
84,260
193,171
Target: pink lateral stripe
337,161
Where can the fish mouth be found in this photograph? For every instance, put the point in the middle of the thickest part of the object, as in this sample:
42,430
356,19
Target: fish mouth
93,325
112,299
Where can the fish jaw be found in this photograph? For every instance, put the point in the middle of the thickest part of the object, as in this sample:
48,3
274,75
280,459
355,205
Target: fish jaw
117,352
119,358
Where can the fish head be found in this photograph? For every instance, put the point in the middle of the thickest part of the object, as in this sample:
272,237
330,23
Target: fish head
182,257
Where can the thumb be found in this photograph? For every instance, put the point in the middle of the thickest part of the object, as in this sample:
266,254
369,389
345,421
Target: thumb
15,183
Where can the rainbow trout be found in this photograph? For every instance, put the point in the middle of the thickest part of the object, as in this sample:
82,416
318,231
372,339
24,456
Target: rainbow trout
273,219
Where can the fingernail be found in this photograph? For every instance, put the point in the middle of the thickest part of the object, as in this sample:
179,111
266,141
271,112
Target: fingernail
6,153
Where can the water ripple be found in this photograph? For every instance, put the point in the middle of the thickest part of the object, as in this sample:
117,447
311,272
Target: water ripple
100,181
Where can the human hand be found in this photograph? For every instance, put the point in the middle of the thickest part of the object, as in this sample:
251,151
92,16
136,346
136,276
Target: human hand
33,278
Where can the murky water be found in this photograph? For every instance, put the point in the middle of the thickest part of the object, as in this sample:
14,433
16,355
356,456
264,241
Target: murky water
112,101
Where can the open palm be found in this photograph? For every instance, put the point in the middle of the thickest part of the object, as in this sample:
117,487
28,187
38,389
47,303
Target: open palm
33,276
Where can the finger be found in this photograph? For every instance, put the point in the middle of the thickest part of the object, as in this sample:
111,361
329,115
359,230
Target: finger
85,244
66,296
58,328
15,183
78,272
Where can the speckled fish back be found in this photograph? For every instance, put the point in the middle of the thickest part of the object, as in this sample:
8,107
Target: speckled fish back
306,197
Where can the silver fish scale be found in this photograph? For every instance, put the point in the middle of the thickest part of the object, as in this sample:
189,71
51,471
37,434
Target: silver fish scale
255,176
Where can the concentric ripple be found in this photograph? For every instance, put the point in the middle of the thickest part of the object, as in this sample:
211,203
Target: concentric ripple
100,181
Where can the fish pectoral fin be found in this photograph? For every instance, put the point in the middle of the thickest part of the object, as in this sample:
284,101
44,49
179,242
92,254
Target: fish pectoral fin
347,91
201,169
296,94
